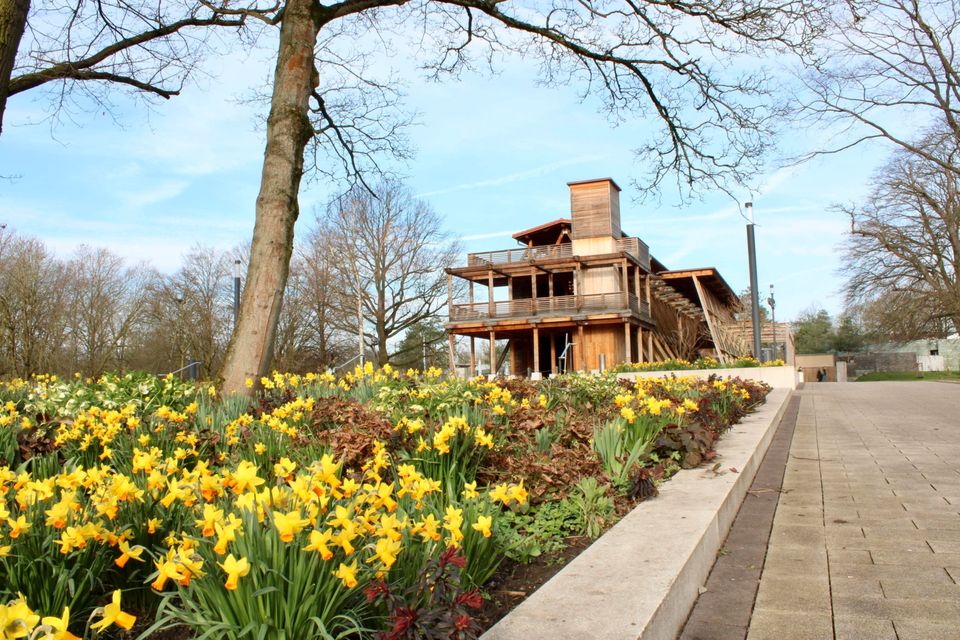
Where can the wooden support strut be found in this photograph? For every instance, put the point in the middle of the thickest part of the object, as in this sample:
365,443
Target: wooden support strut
453,363
493,309
640,345
626,343
536,350
581,349
553,355
493,352
473,356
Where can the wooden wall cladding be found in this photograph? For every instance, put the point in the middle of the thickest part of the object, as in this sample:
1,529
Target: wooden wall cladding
595,209
605,339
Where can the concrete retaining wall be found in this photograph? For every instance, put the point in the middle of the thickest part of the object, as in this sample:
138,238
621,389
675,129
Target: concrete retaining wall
641,578
777,377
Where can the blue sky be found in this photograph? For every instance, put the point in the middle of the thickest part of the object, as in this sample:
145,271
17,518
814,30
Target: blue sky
494,154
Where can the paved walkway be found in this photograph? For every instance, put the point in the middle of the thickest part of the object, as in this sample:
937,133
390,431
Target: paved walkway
865,543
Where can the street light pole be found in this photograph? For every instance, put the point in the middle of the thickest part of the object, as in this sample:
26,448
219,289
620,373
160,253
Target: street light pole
754,294
773,317
236,292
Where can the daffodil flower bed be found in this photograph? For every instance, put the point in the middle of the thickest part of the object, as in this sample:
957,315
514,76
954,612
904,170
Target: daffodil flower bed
363,506
745,362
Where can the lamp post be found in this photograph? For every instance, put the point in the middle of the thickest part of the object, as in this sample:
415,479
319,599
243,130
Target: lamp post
754,294
236,292
773,317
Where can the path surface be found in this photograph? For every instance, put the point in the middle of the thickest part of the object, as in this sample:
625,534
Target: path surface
865,543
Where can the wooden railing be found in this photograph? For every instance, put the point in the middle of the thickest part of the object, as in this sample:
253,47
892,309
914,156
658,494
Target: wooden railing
556,305
544,252
633,246
636,248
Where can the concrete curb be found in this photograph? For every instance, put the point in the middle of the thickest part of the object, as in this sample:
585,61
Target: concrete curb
641,578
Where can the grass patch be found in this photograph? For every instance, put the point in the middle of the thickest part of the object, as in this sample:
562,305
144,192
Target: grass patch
879,376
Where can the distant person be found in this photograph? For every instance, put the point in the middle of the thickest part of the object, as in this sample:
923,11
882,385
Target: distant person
821,375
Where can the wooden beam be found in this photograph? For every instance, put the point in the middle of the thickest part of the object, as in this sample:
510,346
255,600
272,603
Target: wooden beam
626,340
626,286
553,355
581,349
640,344
450,295
493,352
536,350
473,356
453,363
650,346
493,307
470,287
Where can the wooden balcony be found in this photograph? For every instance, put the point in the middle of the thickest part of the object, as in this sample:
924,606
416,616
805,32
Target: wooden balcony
557,305
632,246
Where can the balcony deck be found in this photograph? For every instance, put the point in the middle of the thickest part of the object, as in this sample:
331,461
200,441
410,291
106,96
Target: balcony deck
631,246
545,307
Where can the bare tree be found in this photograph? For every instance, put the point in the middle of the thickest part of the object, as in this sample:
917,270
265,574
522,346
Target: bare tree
903,249
393,251
147,46
105,303
318,259
888,69
33,296
652,59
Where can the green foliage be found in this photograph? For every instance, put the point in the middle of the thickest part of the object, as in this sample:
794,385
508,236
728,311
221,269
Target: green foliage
816,332
526,536
594,506
879,376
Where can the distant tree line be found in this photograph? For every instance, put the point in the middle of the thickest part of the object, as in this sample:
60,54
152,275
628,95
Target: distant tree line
374,255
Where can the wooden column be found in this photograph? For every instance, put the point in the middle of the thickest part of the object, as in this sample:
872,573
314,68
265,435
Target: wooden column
550,288
453,363
636,288
471,292
650,346
649,301
450,295
533,290
493,353
626,342
536,350
640,344
553,355
581,349
626,285
513,357
473,356
493,308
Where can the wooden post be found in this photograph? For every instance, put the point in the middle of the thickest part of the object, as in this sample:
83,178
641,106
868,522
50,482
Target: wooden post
453,363
536,349
533,290
640,344
626,286
550,288
493,308
450,295
581,349
626,342
553,355
649,300
650,346
473,356
493,353
471,293
513,356
636,288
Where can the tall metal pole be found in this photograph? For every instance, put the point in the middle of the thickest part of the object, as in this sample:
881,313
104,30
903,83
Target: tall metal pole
236,292
773,316
754,293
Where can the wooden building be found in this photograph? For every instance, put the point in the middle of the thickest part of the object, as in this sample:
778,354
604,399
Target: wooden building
581,294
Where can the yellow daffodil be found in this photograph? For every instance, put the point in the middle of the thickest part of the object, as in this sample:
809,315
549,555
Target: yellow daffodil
235,569
112,614
483,525
347,573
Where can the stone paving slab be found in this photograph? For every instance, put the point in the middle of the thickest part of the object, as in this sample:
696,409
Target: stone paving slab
866,539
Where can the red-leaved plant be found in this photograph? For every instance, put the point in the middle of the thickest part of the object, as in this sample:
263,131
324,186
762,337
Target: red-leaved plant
435,607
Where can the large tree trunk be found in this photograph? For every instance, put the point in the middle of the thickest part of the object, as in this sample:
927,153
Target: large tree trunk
13,20
288,131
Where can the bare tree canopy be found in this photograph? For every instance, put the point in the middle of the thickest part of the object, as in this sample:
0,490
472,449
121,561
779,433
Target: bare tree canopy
147,46
903,250
888,69
663,60
392,254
